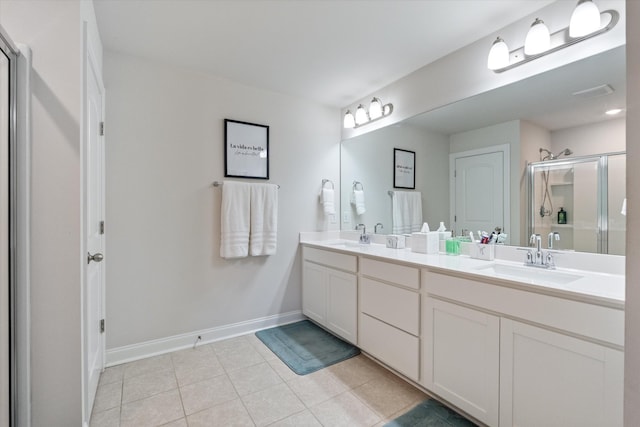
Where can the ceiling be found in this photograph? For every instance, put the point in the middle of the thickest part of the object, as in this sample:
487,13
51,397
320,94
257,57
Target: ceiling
333,52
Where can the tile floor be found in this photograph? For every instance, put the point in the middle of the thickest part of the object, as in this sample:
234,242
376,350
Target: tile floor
240,382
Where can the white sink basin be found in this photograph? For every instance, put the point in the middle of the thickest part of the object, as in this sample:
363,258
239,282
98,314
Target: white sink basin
345,244
528,274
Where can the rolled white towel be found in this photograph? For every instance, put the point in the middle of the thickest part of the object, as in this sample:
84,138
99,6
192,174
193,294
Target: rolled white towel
327,198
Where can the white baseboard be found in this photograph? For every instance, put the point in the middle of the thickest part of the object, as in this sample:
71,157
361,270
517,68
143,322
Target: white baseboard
129,353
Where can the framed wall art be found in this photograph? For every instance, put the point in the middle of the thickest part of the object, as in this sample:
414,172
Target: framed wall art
404,169
246,150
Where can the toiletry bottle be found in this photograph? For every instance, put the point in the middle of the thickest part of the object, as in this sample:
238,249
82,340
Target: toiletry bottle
562,216
442,227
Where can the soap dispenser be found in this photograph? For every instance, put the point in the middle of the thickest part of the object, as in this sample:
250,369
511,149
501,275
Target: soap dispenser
562,216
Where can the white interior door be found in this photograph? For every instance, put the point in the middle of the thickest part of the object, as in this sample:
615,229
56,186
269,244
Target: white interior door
94,338
479,185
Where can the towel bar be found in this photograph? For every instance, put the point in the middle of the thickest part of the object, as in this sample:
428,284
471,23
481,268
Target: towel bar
219,184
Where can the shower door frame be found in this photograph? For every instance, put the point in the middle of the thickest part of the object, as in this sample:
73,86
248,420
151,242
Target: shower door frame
602,202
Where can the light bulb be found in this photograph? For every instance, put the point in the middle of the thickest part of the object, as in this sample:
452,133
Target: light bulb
538,38
349,121
498,55
361,115
585,19
375,109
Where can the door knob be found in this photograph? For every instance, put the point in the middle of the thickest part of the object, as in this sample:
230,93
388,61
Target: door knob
97,257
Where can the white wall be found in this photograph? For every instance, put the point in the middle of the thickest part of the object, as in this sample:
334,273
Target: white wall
369,159
632,304
52,30
164,149
597,138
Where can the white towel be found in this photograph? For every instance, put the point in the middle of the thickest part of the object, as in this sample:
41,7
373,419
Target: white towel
358,198
264,219
327,198
406,211
235,208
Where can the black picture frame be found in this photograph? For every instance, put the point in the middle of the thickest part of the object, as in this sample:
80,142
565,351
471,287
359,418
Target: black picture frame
404,169
246,150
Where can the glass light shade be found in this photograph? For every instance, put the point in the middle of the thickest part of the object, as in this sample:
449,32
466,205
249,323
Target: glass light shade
613,111
375,109
623,211
538,38
498,55
349,121
585,19
361,115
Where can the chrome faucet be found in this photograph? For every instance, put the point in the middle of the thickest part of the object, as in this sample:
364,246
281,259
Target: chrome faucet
554,235
364,237
539,258
375,227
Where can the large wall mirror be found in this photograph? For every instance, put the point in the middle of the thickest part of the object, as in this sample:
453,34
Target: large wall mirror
556,117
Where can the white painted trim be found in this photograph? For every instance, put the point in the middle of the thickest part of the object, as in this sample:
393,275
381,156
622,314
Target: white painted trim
145,349
23,233
506,184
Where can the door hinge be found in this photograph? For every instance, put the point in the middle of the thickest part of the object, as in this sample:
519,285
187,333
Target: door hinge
102,326
101,128
101,227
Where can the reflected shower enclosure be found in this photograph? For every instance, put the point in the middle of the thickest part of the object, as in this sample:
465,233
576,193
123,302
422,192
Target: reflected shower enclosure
590,191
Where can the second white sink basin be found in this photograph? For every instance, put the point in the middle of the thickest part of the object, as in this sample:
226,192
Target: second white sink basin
528,274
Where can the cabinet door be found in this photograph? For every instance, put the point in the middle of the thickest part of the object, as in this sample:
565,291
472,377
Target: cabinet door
551,379
314,292
342,304
461,358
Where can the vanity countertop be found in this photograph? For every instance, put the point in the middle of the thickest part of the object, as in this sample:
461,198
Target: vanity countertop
581,285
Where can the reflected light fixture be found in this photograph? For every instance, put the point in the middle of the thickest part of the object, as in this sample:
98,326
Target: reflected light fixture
349,121
613,111
361,115
377,110
538,38
539,42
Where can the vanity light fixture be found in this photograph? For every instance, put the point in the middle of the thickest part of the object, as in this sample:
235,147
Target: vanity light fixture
539,42
538,38
613,111
377,110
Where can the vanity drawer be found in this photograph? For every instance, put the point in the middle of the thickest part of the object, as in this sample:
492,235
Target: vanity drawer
395,306
331,259
390,345
399,274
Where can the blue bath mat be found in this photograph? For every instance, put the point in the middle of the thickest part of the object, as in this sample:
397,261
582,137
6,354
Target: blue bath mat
430,413
305,347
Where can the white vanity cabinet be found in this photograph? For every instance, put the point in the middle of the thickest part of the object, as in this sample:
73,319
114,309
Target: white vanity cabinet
461,358
552,379
330,291
510,357
389,318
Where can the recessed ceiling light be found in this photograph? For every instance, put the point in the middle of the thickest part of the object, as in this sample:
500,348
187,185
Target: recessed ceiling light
613,111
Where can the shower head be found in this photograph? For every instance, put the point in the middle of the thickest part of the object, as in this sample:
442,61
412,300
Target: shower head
551,156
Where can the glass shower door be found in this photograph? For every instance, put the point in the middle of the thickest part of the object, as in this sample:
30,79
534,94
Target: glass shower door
570,188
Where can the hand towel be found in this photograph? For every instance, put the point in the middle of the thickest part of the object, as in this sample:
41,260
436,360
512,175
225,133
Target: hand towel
235,209
264,219
327,198
406,211
358,197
